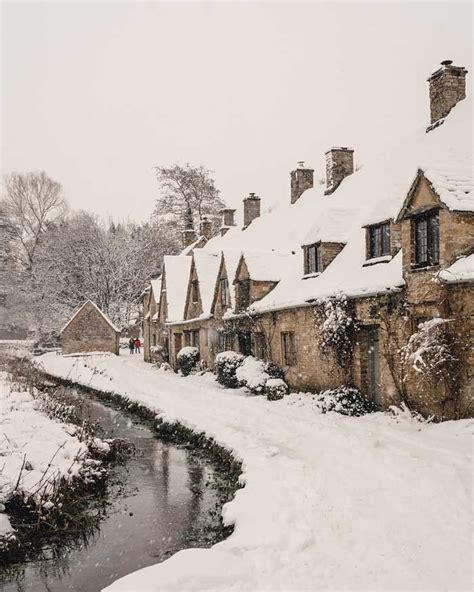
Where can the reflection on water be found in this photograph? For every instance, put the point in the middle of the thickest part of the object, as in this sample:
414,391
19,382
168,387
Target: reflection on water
157,503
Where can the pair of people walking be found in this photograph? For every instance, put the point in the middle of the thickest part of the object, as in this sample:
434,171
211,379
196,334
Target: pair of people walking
134,345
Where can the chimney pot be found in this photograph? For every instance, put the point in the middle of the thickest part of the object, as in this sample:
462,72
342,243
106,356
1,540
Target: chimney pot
446,62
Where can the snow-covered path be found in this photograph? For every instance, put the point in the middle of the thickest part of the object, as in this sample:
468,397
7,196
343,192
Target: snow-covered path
329,503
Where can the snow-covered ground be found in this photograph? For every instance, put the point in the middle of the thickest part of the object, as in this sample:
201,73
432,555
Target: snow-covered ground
34,450
380,502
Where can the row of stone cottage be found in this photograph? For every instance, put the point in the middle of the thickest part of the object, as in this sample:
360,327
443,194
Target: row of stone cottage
384,249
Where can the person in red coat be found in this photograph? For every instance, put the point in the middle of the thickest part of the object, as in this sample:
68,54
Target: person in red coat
137,345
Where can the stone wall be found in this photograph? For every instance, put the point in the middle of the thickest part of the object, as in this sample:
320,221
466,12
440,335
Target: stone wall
460,309
208,339
329,251
88,332
315,370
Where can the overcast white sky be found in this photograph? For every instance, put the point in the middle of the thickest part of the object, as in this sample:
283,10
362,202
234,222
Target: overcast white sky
98,93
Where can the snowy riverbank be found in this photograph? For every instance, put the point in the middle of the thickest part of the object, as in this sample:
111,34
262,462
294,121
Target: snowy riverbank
36,452
329,502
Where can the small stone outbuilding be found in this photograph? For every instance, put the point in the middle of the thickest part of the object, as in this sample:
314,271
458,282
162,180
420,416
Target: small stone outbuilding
89,330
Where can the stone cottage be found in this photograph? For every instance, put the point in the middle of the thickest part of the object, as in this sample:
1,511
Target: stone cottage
89,330
339,285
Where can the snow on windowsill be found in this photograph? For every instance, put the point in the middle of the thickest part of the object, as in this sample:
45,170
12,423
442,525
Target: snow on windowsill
203,317
307,276
375,260
417,268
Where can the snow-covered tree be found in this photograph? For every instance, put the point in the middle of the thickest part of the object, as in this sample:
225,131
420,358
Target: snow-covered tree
32,201
188,194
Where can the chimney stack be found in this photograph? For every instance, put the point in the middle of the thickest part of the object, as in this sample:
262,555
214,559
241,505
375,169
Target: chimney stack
251,208
302,178
189,235
206,228
447,88
227,219
339,165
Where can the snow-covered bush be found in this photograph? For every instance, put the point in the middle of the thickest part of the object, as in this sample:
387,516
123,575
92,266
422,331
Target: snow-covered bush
156,349
187,359
252,375
274,371
165,367
344,400
226,365
276,388
429,352
336,326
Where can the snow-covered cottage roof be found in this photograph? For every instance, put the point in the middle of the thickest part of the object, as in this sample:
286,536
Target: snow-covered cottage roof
207,268
177,270
455,187
197,244
156,287
371,195
87,303
267,266
460,271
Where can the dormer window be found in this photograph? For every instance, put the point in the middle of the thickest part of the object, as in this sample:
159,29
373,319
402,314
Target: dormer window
378,240
195,292
313,259
225,294
425,228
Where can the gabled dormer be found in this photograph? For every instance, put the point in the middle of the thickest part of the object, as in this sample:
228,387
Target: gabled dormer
257,274
437,226
174,283
317,256
437,218
222,300
200,288
163,310
193,306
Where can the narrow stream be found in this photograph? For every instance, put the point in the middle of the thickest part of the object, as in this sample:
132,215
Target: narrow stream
158,502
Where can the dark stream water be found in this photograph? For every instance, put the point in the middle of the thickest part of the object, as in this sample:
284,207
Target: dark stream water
158,502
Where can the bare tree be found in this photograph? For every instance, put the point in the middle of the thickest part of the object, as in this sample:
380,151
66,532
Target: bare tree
32,201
